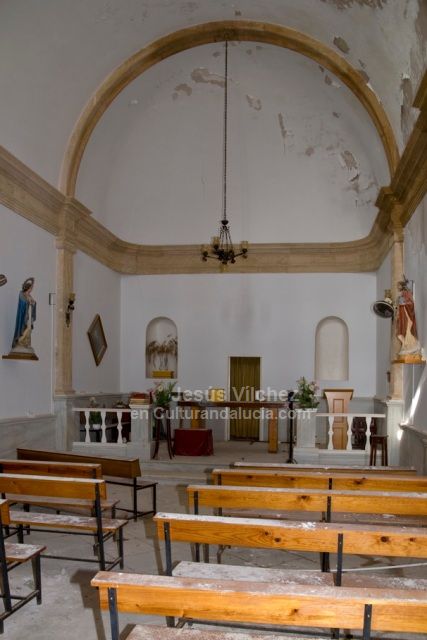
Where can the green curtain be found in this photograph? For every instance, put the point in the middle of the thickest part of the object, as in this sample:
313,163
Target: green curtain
244,381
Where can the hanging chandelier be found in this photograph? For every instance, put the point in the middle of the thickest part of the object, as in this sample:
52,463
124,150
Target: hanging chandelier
221,247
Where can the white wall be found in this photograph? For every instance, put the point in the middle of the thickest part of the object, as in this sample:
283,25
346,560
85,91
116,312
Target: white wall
26,251
97,291
271,316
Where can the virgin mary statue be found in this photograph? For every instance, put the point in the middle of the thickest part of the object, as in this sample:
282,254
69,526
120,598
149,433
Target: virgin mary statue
25,318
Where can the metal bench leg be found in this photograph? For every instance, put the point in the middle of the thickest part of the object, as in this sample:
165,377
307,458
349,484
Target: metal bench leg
135,500
37,578
120,547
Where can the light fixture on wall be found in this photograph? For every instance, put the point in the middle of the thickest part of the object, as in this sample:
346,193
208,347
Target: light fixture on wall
384,308
3,279
70,308
221,247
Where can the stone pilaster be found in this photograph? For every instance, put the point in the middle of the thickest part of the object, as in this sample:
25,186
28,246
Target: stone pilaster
397,257
65,250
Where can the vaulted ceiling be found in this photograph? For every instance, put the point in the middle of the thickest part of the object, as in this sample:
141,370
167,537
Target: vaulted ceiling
306,157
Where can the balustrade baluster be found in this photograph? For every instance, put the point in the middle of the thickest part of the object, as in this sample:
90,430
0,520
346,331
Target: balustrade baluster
119,427
103,426
87,426
330,432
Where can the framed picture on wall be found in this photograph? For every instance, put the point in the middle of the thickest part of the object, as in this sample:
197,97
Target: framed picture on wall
97,339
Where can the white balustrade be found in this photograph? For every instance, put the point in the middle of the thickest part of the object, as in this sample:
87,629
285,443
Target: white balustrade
369,417
103,426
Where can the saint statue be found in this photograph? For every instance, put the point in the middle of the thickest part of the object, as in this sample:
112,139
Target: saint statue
25,318
406,324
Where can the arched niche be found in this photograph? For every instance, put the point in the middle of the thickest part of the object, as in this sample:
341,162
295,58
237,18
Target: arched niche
331,353
161,348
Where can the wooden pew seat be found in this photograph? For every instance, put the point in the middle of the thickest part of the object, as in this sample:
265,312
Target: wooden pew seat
13,555
201,570
151,632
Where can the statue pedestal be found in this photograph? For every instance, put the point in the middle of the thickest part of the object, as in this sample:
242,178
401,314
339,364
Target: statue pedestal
21,353
306,428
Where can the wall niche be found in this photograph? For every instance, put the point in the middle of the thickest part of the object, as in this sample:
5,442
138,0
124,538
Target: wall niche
331,358
161,348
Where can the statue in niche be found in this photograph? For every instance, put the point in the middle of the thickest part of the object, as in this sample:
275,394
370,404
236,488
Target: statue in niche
25,318
406,324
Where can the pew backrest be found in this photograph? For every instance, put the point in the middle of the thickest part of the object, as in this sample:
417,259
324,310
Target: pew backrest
85,488
322,537
42,468
291,478
111,466
309,500
263,603
393,471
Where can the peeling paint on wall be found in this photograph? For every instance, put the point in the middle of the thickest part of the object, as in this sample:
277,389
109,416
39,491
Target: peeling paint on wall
283,130
182,88
348,160
332,83
216,54
253,102
341,44
347,4
335,114
204,75
406,106
309,151
249,52
237,13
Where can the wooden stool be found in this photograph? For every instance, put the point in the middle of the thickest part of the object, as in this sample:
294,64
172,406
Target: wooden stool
381,443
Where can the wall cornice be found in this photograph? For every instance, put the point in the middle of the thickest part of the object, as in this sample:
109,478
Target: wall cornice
24,191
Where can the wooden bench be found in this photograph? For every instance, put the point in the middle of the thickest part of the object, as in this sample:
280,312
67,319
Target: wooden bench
112,467
392,471
11,556
66,469
292,479
272,606
387,507
69,488
316,537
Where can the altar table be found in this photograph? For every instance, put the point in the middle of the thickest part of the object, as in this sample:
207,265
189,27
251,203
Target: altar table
193,442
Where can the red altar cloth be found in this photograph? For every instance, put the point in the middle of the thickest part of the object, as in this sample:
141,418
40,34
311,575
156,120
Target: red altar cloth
193,442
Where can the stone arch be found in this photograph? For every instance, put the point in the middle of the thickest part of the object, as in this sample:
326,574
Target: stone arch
332,349
206,33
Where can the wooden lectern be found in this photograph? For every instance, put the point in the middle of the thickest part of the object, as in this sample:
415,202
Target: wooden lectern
338,401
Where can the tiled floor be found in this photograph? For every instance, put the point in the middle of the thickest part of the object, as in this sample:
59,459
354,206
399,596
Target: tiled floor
70,608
